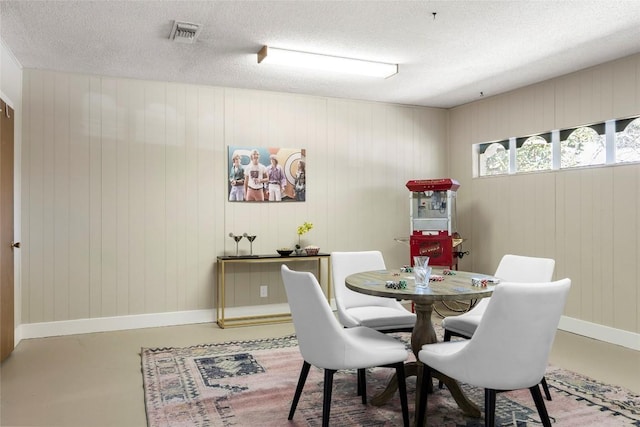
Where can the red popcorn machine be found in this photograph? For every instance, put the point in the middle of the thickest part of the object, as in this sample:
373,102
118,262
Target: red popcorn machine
432,211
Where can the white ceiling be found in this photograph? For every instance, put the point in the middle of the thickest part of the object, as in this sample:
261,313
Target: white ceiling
468,48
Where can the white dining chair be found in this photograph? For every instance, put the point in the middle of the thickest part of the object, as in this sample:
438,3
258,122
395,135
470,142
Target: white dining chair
512,268
325,344
356,309
508,351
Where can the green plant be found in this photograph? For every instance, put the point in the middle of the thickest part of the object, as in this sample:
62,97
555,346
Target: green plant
302,229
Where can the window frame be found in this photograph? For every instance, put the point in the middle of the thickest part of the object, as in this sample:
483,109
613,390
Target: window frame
607,129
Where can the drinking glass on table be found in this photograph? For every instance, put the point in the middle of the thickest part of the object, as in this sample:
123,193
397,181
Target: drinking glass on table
421,261
421,276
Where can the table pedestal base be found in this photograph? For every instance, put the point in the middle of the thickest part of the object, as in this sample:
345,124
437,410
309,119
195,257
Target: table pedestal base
424,333
415,369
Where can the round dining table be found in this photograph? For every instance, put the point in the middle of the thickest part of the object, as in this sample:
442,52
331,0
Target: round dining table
444,285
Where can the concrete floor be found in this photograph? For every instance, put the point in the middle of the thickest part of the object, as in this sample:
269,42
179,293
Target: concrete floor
95,380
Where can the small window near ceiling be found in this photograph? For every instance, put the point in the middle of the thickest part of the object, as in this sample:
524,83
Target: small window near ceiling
628,140
533,153
583,146
494,158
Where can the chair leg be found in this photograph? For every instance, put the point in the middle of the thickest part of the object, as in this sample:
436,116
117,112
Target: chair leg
447,337
489,407
326,400
545,387
362,385
301,380
402,390
542,409
424,391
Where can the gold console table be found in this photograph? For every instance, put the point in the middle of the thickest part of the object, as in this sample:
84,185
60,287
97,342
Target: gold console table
263,319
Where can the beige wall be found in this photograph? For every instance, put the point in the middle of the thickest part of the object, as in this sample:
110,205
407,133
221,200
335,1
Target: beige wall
123,195
587,219
124,187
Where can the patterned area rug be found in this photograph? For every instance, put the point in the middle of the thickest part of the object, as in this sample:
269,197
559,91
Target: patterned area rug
251,383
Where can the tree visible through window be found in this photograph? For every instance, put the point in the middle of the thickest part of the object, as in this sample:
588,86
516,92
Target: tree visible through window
583,146
494,158
606,143
534,155
628,140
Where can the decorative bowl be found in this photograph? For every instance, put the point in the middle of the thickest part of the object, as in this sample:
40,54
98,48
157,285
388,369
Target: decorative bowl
312,250
284,252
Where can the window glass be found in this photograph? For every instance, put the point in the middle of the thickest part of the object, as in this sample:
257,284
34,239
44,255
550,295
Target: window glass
533,154
584,146
494,158
628,140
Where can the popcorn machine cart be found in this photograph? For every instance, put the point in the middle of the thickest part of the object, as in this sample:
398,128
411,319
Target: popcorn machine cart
432,211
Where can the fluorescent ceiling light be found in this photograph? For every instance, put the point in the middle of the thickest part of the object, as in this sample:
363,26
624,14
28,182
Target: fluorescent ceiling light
272,55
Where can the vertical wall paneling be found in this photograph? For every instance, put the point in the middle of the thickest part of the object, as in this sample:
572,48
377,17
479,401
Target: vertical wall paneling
154,197
79,191
48,197
573,222
24,267
109,197
544,225
210,161
189,211
122,233
586,250
61,207
568,102
519,211
603,253
587,219
192,164
34,164
95,197
625,251
174,250
124,189
626,86
460,167
136,189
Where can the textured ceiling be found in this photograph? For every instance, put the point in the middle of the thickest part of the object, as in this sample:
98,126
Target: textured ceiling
469,47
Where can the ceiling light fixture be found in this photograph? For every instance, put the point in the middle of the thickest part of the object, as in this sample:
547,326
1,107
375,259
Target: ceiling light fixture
272,55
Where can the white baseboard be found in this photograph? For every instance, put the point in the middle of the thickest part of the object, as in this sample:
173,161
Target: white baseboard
600,332
118,323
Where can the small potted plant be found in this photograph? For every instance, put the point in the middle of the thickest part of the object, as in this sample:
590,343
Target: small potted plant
302,229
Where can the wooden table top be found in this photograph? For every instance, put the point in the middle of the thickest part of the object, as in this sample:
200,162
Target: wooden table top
452,287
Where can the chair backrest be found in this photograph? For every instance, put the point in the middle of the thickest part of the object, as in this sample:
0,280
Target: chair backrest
319,334
510,348
525,269
344,264
521,269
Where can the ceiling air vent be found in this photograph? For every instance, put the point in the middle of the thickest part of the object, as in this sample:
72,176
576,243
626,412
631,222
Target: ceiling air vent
184,32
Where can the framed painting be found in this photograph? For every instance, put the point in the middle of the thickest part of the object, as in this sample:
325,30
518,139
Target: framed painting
268,175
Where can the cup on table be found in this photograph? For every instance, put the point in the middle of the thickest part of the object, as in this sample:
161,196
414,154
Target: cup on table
421,275
421,261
